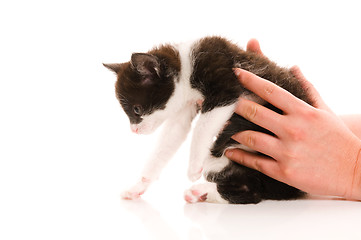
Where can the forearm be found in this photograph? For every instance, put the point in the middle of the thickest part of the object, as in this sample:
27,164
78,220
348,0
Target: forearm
353,122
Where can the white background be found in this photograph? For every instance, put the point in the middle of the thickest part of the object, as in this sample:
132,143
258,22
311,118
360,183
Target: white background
66,151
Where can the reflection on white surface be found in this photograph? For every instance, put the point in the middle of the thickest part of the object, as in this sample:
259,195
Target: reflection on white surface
301,219
153,223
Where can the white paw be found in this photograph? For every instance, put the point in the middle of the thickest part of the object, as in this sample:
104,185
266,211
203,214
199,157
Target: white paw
203,192
137,190
193,196
194,173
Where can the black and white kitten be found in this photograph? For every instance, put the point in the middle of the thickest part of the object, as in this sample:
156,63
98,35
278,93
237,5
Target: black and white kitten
171,84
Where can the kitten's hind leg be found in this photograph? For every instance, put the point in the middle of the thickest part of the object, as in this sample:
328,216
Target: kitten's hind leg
203,192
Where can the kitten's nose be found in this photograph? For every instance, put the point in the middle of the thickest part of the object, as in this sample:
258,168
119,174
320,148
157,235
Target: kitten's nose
134,128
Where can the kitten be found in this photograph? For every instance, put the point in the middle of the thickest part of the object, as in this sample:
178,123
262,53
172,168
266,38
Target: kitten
171,84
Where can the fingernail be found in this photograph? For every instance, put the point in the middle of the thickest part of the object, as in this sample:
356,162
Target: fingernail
229,153
237,71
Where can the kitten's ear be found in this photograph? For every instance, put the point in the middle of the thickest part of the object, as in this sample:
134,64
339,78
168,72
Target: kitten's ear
115,67
146,64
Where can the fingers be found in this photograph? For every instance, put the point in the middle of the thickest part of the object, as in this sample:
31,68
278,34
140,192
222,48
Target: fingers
255,161
260,142
253,46
259,115
269,91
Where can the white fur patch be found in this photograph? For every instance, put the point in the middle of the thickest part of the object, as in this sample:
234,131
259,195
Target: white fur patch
214,164
208,125
150,122
187,92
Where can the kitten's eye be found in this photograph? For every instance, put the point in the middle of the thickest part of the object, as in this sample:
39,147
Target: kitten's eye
138,110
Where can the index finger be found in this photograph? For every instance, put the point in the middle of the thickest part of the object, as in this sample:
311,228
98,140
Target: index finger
268,91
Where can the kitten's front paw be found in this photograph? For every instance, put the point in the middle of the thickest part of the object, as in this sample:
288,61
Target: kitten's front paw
194,173
137,190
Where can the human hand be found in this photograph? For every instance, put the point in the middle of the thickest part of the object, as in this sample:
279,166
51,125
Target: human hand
312,149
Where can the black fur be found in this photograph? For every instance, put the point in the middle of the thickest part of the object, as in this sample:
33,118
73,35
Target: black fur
214,77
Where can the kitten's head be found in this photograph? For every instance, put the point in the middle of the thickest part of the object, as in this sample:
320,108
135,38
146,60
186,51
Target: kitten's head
144,86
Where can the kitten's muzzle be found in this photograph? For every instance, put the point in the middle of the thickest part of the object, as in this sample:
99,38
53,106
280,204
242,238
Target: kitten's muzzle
134,128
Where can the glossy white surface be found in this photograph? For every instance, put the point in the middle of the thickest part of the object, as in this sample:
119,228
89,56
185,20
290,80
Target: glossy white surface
66,150
306,219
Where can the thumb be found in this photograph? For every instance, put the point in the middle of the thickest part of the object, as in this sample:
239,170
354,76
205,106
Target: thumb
313,94
253,46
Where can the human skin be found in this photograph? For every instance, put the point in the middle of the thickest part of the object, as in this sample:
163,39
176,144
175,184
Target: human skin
313,149
353,122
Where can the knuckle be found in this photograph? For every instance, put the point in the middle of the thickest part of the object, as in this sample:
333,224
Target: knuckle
248,139
289,155
309,114
295,133
268,89
258,166
251,111
289,172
